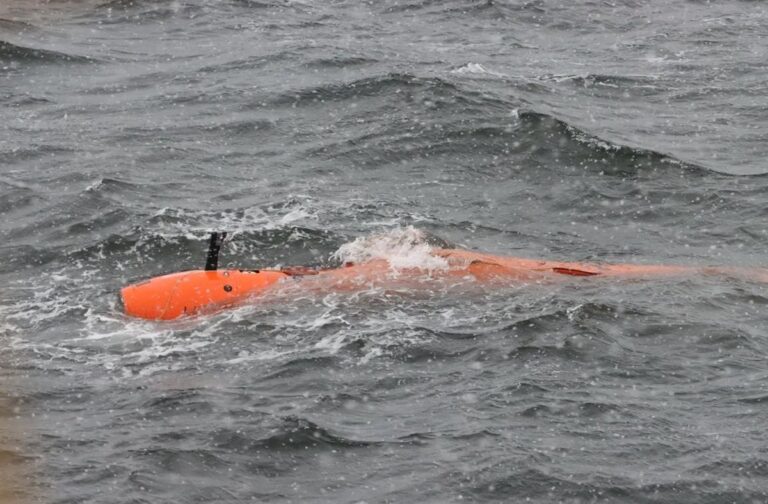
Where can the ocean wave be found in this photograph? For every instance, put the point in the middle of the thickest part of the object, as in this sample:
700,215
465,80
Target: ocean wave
259,4
229,128
19,256
249,63
143,11
421,5
301,366
429,348
16,199
528,353
476,69
16,27
365,87
178,402
13,55
540,482
179,460
454,7
463,120
746,467
290,433
496,482
254,4
337,62
610,157
33,152
23,100
650,83
135,4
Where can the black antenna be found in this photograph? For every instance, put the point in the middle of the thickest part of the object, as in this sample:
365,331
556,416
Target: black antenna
212,261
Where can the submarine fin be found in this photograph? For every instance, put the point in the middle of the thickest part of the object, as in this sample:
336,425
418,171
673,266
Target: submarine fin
574,272
214,245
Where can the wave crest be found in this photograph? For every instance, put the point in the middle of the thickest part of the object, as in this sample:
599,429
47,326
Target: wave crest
11,54
401,248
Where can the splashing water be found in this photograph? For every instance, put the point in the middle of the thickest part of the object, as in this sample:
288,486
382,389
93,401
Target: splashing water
401,247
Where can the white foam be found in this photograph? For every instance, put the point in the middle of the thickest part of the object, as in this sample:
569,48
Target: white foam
401,247
190,223
475,69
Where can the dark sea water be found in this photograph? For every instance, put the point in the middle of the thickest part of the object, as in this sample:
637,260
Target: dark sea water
628,131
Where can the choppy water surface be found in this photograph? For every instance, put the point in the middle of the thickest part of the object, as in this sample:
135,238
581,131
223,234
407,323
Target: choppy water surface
621,131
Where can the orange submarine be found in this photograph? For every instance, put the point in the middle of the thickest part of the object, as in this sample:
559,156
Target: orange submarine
174,295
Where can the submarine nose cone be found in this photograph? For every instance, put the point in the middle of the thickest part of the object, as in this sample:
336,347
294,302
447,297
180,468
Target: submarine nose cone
147,300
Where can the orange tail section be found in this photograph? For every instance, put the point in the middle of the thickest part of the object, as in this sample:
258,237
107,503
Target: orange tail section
171,296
